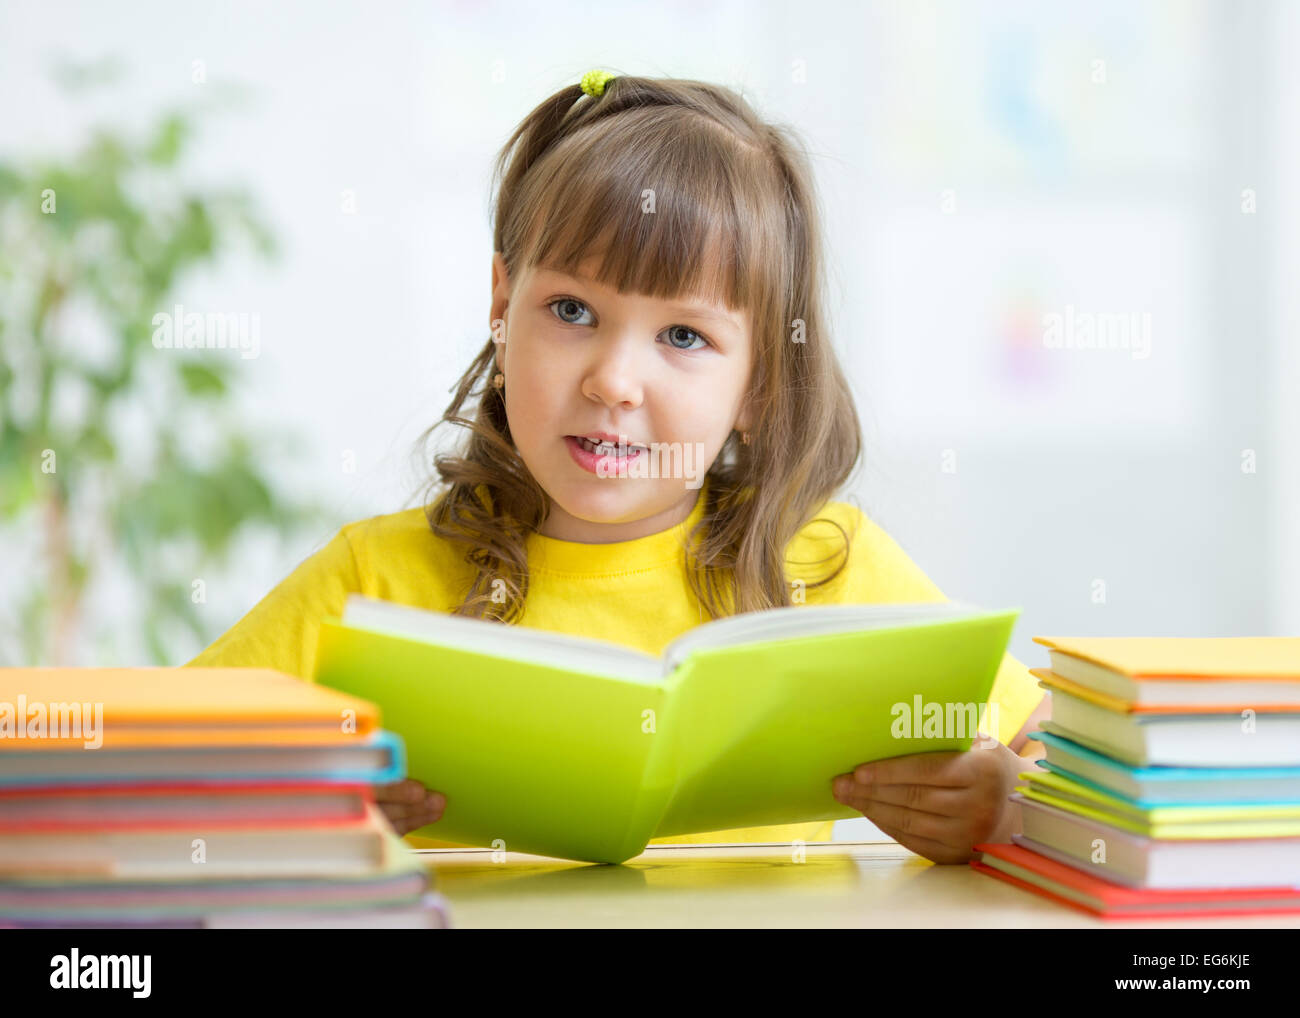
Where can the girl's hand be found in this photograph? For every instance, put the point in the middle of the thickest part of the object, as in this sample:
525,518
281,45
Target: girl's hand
939,804
408,805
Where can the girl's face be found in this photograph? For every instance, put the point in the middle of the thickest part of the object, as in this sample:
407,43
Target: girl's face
581,360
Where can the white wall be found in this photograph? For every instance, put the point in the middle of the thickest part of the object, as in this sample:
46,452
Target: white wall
1284,324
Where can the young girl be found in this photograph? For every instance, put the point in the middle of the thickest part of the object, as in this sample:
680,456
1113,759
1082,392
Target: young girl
656,284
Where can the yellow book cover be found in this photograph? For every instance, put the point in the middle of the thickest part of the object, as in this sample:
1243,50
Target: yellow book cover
1208,657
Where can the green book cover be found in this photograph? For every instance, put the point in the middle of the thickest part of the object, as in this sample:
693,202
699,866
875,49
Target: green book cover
584,749
1192,821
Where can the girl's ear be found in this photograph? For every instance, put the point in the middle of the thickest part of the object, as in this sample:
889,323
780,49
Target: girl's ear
744,418
500,302
500,286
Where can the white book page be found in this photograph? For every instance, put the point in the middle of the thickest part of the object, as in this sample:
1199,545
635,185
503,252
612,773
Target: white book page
516,643
809,620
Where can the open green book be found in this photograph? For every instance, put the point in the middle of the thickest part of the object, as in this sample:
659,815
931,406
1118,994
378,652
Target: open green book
584,749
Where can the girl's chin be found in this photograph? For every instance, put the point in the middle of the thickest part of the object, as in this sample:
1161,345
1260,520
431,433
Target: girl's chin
610,502
606,501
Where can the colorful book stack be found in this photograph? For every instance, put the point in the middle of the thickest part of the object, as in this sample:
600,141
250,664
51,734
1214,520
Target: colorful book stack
1171,781
192,797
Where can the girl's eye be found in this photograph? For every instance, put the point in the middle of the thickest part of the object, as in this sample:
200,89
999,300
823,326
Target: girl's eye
678,330
562,307
570,311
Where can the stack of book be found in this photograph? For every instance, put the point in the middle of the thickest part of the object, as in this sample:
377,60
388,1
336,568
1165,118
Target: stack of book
203,797
1171,780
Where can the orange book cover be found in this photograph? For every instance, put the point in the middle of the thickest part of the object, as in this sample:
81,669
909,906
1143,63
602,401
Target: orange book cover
121,708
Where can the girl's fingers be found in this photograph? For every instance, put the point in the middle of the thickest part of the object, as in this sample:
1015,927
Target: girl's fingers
943,802
408,790
920,826
408,805
418,814
404,810
406,824
391,793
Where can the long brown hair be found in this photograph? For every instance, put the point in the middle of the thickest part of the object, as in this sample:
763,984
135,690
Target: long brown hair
729,191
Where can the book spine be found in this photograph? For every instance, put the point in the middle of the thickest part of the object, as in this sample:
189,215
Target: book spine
659,777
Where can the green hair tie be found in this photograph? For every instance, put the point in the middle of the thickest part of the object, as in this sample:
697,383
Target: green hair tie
593,82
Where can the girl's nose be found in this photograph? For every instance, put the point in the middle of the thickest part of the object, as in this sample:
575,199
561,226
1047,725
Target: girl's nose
615,375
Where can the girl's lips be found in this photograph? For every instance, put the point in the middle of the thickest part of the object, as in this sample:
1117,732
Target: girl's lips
588,460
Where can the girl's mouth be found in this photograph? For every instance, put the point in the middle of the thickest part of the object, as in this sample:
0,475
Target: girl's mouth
588,454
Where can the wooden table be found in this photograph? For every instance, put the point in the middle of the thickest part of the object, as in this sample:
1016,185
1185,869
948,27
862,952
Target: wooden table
836,884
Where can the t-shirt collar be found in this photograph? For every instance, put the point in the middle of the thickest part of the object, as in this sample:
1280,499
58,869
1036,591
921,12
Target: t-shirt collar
653,550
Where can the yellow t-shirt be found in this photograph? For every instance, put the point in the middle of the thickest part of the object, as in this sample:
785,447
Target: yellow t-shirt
632,592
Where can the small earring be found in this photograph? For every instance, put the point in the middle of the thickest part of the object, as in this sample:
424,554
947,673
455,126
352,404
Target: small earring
499,381
744,438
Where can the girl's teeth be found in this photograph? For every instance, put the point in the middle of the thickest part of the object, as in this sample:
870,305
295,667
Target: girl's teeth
603,448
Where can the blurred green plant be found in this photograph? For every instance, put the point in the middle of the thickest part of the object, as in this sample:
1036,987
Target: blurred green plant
92,247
